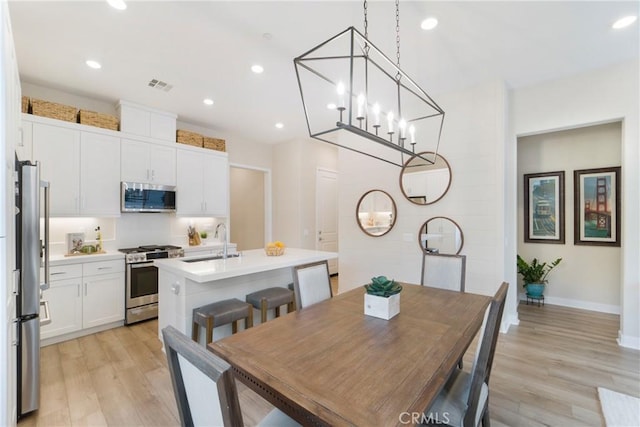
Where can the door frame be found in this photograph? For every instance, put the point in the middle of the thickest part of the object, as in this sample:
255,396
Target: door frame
268,205
315,235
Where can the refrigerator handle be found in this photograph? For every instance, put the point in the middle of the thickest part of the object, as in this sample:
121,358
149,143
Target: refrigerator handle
45,184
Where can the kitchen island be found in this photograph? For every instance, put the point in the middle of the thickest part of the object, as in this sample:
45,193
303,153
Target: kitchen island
187,283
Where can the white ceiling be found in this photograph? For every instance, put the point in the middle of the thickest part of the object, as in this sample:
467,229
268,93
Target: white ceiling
206,48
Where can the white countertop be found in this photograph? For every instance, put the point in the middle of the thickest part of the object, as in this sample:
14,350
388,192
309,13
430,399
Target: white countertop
253,261
78,259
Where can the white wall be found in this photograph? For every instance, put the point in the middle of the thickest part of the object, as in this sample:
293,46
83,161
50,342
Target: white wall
589,277
9,134
590,98
473,144
294,187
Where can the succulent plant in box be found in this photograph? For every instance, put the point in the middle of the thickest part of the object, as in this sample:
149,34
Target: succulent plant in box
382,287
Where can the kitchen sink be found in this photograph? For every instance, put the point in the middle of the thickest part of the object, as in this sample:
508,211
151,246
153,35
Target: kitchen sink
211,258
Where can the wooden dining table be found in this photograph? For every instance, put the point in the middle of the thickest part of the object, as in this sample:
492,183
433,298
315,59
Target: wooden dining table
330,364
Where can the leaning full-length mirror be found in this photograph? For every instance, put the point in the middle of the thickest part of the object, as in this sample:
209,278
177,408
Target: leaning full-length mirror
423,183
440,235
376,213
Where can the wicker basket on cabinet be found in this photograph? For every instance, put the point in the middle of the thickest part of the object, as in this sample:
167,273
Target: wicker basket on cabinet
214,143
53,110
101,120
189,138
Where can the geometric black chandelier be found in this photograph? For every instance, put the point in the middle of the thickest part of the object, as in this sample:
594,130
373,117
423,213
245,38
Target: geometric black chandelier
357,98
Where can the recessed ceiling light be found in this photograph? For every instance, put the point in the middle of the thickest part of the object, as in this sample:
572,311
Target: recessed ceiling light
257,68
93,64
279,125
208,101
429,23
624,22
117,4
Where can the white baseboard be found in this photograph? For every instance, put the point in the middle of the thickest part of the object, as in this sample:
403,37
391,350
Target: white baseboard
81,333
628,341
507,321
584,305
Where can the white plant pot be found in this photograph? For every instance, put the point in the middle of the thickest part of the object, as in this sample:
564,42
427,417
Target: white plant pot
380,307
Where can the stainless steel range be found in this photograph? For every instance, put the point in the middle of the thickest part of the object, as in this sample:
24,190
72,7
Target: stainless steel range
141,298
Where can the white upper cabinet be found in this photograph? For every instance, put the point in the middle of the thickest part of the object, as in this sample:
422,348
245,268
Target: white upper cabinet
24,144
58,151
82,168
99,174
203,183
148,163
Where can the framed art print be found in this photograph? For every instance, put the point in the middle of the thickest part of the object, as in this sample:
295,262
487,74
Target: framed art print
597,206
544,207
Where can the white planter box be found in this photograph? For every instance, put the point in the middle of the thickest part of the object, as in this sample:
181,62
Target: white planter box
380,307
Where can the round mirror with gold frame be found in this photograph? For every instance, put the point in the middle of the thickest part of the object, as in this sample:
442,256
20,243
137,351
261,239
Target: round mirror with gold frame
376,213
422,182
440,235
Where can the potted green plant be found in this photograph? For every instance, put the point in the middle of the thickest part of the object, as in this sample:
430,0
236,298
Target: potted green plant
203,237
382,299
534,275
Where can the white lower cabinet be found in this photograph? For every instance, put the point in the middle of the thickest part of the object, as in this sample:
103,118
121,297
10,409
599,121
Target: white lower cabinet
65,306
83,296
103,300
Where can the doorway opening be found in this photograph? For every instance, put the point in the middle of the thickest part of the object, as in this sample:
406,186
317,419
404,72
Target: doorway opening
250,206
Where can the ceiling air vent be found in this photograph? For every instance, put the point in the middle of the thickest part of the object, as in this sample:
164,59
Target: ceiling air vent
160,85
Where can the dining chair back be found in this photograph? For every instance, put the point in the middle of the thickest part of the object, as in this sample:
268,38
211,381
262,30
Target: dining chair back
465,397
204,385
311,283
444,271
478,399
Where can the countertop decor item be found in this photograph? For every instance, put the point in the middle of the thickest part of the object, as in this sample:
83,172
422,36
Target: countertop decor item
194,237
74,243
382,299
378,110
274,248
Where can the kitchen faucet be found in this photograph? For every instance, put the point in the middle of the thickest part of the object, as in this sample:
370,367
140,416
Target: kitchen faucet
224,242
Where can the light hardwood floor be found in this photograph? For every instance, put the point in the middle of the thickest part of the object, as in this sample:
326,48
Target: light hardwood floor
545,372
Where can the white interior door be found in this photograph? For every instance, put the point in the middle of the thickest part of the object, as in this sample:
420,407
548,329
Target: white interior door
327,214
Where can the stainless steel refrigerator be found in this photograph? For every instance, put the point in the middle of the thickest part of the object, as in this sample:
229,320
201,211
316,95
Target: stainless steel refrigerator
31,254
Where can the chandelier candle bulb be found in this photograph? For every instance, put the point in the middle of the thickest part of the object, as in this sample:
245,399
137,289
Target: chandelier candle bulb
402,126
412,134
340,90
376,114
361,104
390,122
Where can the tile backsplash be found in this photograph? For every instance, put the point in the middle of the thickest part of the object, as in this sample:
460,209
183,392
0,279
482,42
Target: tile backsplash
129,230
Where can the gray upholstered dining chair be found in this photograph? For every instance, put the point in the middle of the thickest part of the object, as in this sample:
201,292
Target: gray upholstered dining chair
311,283
464,400
204,386
444,271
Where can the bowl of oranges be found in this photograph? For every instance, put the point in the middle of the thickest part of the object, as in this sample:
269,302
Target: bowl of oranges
274,248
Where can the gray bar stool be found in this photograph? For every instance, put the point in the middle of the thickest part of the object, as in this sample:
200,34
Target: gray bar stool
221,313
269,298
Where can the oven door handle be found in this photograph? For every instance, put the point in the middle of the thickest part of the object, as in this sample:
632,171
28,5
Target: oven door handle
142,265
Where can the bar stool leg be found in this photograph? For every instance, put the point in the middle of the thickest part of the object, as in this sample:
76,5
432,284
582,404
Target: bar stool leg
194,331
278,311
263,310
209,330
234,327
248,321
291,307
